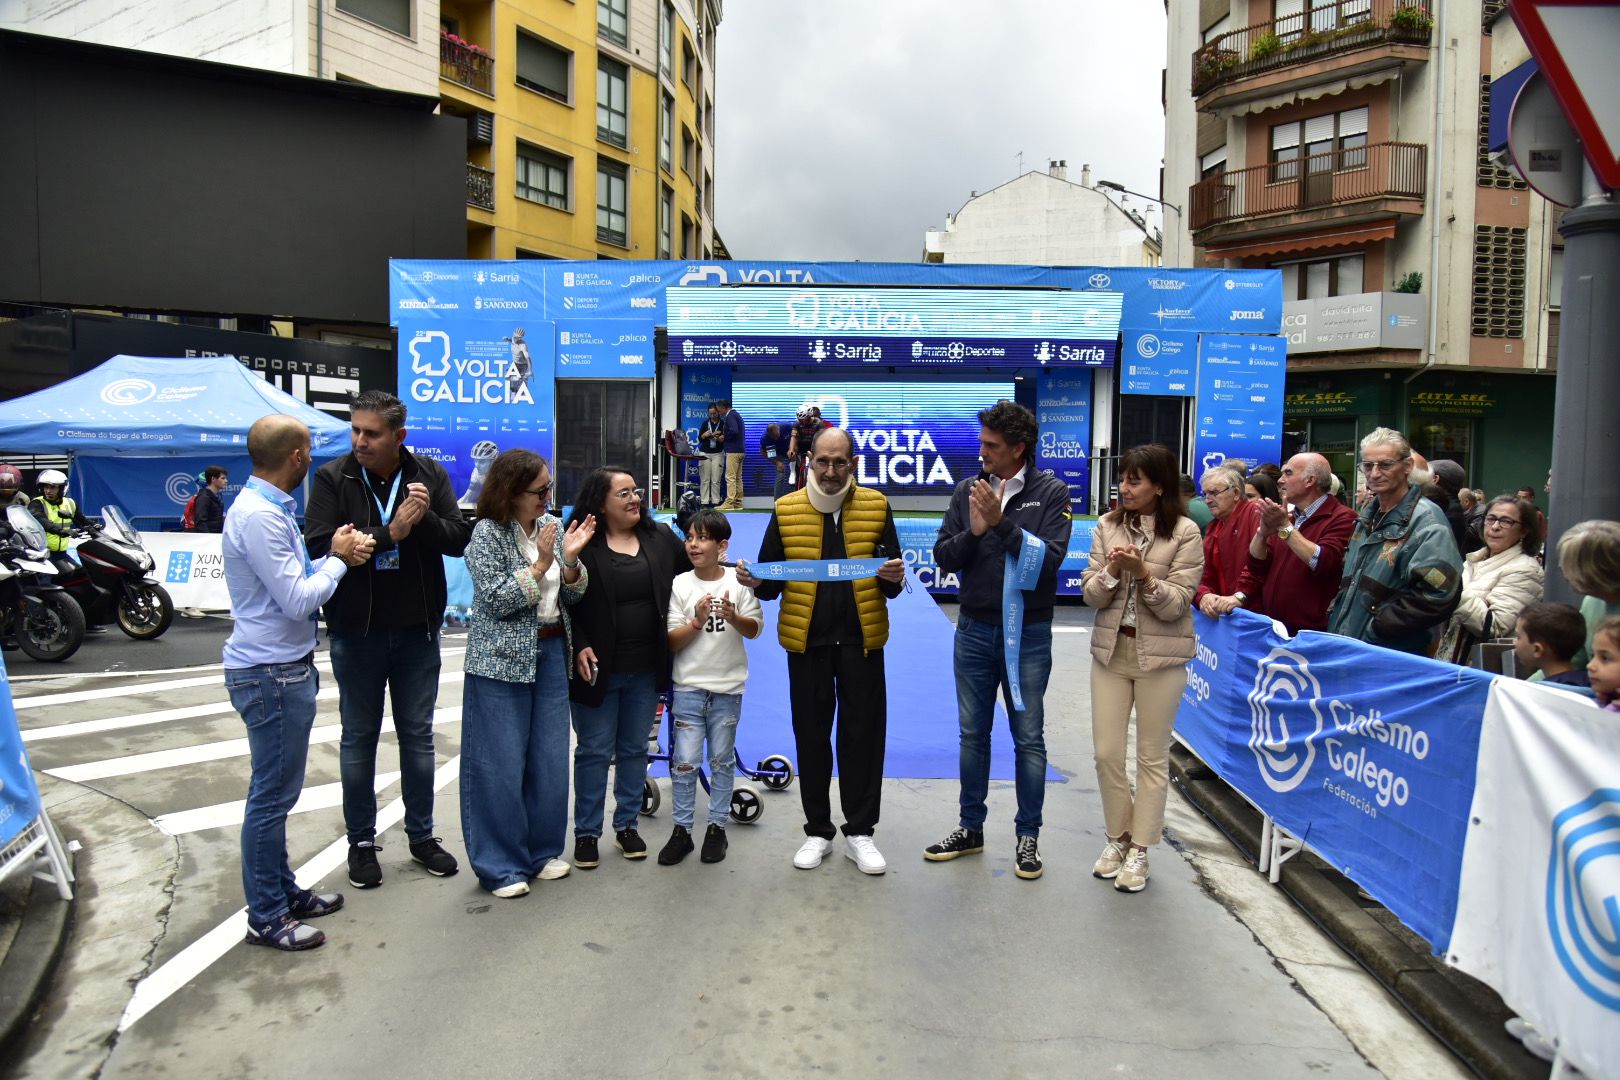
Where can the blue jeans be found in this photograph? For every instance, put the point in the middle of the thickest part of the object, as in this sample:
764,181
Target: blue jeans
699,715
981,668
277,703
514,770
781,488
406,662
615,730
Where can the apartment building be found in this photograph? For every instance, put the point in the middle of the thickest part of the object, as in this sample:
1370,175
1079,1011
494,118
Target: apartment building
1343,142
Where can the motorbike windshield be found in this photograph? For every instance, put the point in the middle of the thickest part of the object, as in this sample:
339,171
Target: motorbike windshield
26,526
119,525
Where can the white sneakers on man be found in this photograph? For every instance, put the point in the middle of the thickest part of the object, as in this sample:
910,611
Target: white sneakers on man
554,869
864,854
811,852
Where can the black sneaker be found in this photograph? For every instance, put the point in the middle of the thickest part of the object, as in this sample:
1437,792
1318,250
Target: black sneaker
960,842
630,843
714,844
439,862
585,856
678,848
1028,858
364,872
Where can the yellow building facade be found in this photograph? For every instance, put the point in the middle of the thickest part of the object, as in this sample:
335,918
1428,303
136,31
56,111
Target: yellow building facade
590,125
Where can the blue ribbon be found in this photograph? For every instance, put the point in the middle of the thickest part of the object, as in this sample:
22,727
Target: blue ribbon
1022,573
817,569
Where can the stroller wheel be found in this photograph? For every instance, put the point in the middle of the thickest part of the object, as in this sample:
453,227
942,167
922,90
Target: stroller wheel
652,798
746,805
775,772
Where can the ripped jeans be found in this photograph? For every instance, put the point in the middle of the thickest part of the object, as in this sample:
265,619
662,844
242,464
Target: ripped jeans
700,714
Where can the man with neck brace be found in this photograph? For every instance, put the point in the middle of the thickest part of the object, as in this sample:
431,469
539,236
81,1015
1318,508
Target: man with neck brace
834,633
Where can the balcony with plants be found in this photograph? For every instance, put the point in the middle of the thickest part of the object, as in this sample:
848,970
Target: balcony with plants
1335,39
466,64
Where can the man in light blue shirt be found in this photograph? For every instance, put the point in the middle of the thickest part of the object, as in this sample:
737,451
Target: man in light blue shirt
270,669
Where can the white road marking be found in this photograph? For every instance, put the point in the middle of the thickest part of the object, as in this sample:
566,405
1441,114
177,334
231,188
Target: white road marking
197,755
221,815
200,955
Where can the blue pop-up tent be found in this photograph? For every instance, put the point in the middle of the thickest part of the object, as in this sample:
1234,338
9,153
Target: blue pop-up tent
140,428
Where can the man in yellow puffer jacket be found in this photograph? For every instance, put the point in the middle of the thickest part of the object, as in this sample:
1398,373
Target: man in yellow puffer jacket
834,634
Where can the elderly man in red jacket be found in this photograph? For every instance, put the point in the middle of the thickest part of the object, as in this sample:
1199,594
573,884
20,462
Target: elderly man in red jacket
1227,584
1298,552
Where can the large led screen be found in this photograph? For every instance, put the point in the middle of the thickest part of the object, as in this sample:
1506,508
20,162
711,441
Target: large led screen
914,436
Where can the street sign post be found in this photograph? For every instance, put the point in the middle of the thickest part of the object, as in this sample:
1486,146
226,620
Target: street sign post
1545,148
1575,42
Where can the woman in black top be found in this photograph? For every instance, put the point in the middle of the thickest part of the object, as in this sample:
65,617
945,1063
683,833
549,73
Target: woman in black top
622,655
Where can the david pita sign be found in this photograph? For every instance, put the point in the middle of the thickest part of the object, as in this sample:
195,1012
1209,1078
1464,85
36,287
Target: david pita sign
1355,322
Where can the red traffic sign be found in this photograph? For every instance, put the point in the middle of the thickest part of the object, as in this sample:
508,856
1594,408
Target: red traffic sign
1575,42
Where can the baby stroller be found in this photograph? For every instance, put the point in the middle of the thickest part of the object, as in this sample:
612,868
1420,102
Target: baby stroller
775,772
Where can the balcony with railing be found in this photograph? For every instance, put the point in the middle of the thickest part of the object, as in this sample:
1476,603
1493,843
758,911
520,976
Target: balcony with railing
466,64
1339,185
1335,39
480,187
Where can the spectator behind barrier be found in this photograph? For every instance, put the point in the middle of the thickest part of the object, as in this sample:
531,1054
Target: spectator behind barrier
1498,580
1297,553
1228,584
1546,637
1589,557
1260,485
1604,668
1197,508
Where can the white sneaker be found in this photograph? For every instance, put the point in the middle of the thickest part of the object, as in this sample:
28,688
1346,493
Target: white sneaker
507,892
811,852
554,869
864,854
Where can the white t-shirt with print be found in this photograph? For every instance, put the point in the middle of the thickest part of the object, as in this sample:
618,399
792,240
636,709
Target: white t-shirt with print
716,659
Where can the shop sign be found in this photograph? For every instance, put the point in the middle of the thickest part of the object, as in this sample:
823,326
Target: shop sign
1356,322
1451,403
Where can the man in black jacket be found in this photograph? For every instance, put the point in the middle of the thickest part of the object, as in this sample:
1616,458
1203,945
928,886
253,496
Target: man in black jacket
988,521
384,620
210,504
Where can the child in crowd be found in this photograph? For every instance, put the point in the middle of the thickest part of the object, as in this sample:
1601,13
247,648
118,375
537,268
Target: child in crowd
709,616
1604,667
1548,636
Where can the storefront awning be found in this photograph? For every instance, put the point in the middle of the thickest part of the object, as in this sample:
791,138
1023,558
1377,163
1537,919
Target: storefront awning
1357,235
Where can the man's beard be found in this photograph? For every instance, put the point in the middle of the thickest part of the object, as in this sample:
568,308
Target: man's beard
822,501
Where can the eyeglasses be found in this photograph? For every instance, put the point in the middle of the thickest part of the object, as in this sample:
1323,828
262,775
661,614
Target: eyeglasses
1381,466
1208,492
1496,519
630,493
832,464
542,493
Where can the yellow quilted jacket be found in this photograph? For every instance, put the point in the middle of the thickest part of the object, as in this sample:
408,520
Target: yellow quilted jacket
800,525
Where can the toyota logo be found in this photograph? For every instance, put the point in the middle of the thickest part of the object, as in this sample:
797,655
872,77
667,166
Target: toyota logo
1099,281
1284,719
128,392
1583,882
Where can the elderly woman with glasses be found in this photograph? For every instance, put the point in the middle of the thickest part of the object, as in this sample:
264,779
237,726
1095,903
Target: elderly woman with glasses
1498,580
1228,583
526,575
623,658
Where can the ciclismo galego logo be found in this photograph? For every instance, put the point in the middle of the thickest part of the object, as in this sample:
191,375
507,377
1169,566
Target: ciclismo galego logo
1283,704
180,487
1583,895
128,392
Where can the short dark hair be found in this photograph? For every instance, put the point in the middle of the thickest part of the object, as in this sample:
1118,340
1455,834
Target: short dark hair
1157,464
1012,422
1531,542
1559,627
711,523
724,403
594,494
384,404
1188,488
509,476
214,472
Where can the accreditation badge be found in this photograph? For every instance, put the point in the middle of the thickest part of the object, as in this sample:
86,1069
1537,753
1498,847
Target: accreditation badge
386,560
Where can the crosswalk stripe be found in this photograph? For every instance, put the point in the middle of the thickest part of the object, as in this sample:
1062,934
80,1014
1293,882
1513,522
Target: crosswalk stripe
190,962
221,815
197,755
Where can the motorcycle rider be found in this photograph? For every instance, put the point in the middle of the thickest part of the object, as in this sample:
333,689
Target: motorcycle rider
60,515
10,485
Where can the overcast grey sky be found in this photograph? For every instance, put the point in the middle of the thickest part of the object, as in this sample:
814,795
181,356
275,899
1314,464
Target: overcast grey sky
846,128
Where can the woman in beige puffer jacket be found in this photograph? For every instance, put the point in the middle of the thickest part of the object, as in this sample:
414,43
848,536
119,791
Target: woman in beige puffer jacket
1147,558
1498,580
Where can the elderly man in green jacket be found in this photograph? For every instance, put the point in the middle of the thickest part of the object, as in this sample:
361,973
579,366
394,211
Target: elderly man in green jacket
1402,571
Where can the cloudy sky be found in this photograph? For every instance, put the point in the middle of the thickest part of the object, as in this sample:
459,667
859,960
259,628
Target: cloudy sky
846,128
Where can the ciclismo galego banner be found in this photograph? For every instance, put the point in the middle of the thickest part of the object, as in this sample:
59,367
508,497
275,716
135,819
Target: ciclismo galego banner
1366,754
19,798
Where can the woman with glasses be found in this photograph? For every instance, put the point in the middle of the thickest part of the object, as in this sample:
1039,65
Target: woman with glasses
1146,560
623,658
1228,583
1498,580
526,575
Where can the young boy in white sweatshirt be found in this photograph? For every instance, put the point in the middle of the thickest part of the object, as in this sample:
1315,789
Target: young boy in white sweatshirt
709,616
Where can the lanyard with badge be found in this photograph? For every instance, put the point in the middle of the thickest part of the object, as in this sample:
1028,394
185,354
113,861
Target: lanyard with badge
387,560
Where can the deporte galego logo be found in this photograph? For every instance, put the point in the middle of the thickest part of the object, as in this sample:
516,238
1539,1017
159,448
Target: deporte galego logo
1281,705
1583,895
128,392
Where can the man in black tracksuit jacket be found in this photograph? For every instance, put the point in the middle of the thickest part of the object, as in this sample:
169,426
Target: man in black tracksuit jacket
384,620
985,523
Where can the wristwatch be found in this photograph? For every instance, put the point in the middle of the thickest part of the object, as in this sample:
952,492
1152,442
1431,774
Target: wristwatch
1285,532
1241,597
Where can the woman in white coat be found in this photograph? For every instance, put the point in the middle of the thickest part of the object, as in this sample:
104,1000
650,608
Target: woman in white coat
1498,580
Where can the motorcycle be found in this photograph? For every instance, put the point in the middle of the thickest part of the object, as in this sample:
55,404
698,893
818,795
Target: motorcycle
35,611
113,580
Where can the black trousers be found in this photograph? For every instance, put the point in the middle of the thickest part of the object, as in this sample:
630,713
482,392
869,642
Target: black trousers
849,681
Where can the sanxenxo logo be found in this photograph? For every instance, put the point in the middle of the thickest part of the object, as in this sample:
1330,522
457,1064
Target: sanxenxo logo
1099,281
1281,705
179,487
1147,346
128,392
1583,895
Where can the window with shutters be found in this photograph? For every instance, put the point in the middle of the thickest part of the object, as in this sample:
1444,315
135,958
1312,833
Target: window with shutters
1489,173
1332,143
543,67
1499,274
392,15
1212,163
542,176
612,102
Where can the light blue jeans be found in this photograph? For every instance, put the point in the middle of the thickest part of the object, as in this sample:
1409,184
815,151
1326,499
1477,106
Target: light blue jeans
700,715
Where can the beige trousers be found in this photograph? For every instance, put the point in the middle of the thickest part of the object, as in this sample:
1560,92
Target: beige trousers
734,490
1156,695
712,468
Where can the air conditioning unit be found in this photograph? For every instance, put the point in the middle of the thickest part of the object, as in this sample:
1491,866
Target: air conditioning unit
481,129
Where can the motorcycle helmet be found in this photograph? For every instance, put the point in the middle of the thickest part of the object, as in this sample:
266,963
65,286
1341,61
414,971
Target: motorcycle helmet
52,478
9,476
